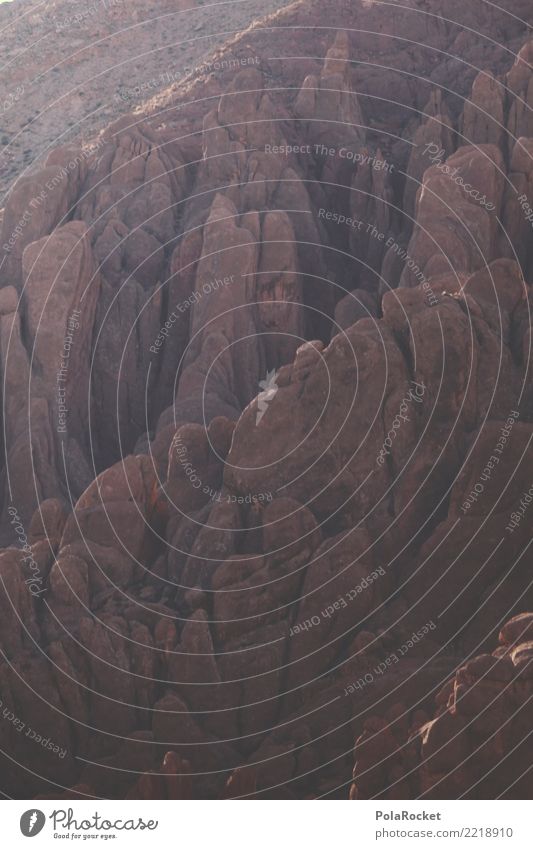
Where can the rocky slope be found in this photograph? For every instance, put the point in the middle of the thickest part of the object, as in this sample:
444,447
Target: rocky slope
266,350
70,67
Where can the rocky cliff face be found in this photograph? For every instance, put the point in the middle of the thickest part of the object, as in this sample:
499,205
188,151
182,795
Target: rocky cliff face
268,413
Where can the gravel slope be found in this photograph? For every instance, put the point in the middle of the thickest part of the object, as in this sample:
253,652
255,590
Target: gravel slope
69,68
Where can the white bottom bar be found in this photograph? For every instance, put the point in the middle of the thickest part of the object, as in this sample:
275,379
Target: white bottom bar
262,825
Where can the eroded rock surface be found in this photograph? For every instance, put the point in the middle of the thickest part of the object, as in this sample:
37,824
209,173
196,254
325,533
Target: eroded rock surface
267,425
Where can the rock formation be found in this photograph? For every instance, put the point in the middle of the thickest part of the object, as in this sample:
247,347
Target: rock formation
267,385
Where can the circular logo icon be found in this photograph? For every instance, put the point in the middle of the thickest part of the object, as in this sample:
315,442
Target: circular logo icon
32,822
